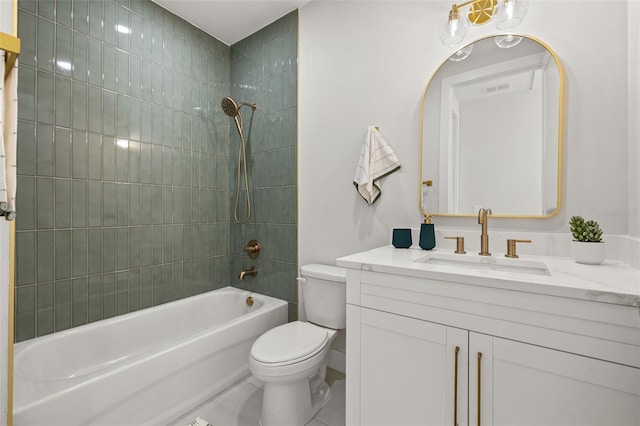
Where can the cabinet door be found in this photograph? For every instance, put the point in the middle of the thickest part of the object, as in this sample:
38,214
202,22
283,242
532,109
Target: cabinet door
402,370
522,384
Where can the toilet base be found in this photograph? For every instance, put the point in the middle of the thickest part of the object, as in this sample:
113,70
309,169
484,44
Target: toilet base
293,404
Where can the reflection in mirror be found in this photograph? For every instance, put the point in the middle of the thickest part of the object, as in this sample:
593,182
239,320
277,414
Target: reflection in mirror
491,130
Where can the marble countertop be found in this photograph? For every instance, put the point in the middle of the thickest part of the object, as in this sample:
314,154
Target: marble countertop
609,282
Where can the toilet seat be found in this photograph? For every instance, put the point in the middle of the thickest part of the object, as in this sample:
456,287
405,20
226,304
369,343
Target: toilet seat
289,344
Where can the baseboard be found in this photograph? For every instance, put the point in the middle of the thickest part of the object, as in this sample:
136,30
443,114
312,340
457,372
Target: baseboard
338,361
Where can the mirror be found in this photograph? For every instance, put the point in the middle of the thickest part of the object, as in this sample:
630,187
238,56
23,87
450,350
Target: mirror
491,131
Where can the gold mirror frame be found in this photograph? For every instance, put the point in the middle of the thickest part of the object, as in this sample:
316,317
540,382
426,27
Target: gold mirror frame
561,94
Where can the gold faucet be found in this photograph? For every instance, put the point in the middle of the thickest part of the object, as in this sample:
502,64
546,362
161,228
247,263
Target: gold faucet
484,237
244,272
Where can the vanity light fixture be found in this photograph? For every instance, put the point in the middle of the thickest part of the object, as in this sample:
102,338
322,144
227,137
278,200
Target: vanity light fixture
507,13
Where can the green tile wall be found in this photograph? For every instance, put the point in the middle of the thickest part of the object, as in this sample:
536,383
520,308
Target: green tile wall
125,161
264,71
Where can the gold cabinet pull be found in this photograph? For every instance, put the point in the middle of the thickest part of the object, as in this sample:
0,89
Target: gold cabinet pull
455,390
479,358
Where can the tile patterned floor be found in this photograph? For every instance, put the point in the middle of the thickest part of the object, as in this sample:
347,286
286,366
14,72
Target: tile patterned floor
240,405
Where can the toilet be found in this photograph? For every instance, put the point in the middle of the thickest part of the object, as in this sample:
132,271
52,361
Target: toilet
291,359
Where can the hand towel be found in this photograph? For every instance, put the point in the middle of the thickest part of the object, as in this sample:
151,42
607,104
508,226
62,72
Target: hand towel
377,159
8,136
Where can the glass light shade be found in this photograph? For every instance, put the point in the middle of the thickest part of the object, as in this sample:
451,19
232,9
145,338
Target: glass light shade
455,29
507,41
511,13
461,54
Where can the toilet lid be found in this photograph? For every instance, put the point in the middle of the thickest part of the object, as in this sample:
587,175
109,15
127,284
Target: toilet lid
289,342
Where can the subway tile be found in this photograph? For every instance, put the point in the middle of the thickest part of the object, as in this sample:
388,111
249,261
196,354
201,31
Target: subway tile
27,37
62,254
157,46
122,160
156,205
45,302
95,110
79,203
167,244
109,113
108,204
64,12
44,203
109,19
158,285
45,45
25,251
95,156
62,309
95,203
122,72
122,204
94,251
122,117
108,295
79,107
109,74
147,81
62,104
95,19
134,161
167,158
26,203
146,287
108,158
146,133
81,16
145,163
94,62
63,58
25,313
167,85
156,244
156,164
79,248
147,39
45,96
44,150
108,250
135,77
146,205
80,301
95,298
123,27
146,246
135,40
167,37
156,88
135,290
135,112
134,247
62,204
80,57
62,152
122,248
79,155
27,94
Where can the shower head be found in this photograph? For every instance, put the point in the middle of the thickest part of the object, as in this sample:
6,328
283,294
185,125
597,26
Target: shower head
232,108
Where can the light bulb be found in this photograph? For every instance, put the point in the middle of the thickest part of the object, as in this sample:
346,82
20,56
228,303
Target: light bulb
455,30
511,13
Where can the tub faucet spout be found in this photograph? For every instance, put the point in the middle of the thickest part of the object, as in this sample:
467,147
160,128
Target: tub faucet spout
244,272
484,237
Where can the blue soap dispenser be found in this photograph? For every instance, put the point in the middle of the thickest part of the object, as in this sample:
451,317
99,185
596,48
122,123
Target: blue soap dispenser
427,234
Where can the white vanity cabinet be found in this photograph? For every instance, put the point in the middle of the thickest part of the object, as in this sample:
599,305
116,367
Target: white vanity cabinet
545,360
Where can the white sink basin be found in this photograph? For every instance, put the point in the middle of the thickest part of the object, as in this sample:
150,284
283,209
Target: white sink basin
491,263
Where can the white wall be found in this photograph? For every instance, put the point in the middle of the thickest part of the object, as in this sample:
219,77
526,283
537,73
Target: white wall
634,122
6,26
365,62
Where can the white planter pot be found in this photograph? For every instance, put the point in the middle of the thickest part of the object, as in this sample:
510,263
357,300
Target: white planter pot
590,253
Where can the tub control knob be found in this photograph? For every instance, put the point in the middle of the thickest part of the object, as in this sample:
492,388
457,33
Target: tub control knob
253,249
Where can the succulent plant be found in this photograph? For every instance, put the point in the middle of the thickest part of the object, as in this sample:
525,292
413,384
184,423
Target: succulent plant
585,231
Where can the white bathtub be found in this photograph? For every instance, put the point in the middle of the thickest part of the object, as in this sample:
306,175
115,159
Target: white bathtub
144,368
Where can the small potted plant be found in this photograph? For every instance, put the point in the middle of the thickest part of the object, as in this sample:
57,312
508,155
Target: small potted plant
587,245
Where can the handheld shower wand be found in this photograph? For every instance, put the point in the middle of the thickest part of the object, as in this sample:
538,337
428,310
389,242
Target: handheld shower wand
232,109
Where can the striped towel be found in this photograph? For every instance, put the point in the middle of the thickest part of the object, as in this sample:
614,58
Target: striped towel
377,159
199,422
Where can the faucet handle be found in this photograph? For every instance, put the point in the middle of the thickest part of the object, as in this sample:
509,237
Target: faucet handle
459,244
511,247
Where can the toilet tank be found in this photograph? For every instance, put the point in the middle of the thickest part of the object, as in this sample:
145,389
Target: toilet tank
324,293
